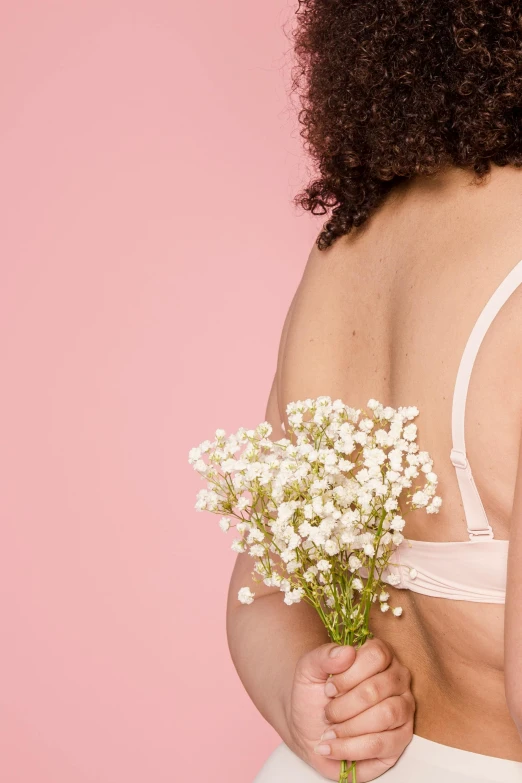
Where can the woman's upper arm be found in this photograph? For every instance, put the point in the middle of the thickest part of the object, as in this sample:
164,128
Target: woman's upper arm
513,608
242,572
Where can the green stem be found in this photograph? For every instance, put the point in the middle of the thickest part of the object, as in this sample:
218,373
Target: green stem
343,777
369,582
345,770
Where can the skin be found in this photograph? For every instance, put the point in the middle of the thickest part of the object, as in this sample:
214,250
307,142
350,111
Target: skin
385,313
364,711
283,660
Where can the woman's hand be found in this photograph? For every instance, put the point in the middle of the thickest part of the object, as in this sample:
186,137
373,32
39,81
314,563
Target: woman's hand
366,703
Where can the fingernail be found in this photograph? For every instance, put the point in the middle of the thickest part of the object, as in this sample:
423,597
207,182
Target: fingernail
328,734
335,651
323,750
330,689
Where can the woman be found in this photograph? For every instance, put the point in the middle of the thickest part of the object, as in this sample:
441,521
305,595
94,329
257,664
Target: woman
411,295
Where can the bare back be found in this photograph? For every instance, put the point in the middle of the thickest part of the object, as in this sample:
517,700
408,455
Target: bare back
386,313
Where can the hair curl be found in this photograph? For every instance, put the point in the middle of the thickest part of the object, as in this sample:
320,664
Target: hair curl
390,89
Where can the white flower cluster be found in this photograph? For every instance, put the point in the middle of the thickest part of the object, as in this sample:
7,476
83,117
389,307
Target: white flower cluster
320,516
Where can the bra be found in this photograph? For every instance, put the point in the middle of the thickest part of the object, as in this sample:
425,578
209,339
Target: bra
473,570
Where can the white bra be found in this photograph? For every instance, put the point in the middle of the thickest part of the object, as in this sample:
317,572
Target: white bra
473,570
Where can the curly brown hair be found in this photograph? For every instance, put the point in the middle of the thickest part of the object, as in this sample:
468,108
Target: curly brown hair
390,89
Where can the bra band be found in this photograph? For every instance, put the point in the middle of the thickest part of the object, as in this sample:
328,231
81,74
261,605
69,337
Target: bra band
476,519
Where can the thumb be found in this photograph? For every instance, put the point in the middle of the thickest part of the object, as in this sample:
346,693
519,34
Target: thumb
329,658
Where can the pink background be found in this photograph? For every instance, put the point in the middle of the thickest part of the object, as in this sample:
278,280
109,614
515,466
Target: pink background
149,251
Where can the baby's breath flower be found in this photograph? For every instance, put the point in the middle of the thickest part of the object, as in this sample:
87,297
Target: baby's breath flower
434,506
242,503
332,547
293,596
397,523
347,537
245,595
366,425
321,513
255,534
295,418
305,528
201,466
194,454
410,432
348,445
382,438
324,565
374,456
420,499
286,510
396,489
361,438
310,573
317,537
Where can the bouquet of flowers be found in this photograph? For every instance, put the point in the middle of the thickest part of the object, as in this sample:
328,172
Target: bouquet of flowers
322,516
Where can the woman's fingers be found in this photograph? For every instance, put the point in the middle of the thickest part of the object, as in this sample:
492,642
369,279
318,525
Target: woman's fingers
394,681
370,711
316,665
387,745
373,657
388,714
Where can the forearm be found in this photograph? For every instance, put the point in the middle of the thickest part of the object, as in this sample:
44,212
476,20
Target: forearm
266,639
513,634
512,618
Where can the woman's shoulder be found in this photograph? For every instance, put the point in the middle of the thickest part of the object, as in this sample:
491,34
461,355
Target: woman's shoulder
417,274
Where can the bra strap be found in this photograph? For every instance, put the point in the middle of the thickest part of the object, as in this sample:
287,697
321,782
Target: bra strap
476,519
